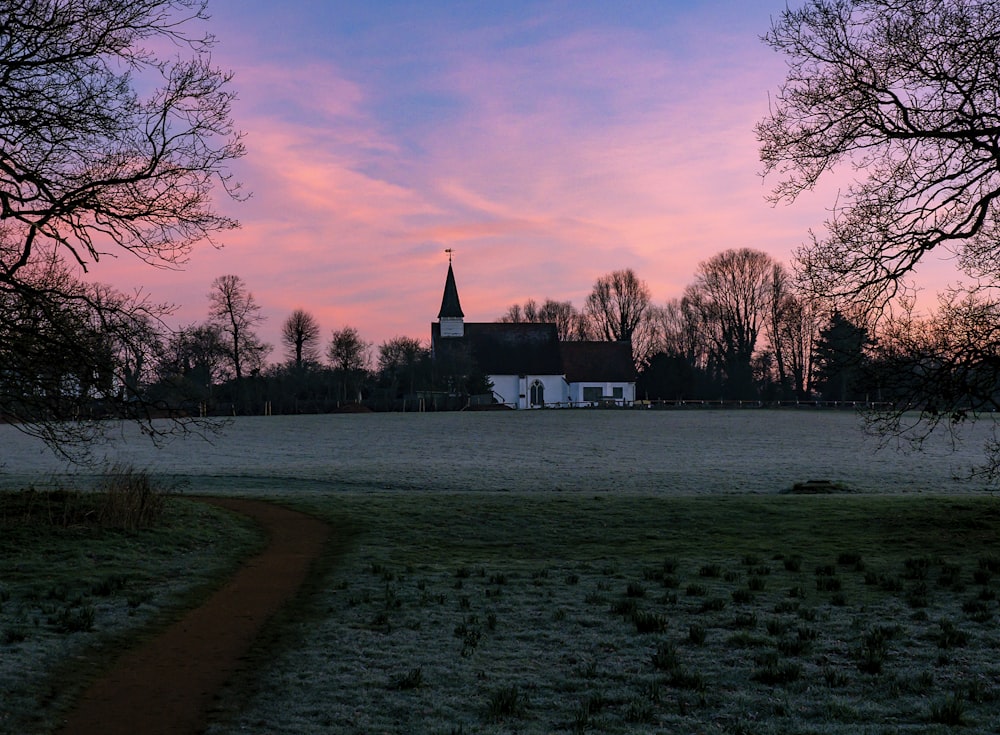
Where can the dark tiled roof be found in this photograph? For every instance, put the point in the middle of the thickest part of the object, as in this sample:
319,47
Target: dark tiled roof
450,306
500,348
508,349
598,362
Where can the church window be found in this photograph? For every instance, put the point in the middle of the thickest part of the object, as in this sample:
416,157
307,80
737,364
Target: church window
593,394
537,393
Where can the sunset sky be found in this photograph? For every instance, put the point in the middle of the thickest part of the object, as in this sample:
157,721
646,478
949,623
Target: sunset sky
547,143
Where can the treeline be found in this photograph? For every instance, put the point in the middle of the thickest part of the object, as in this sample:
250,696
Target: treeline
743,329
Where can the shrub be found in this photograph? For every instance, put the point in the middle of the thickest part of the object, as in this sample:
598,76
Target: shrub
710,570
131,499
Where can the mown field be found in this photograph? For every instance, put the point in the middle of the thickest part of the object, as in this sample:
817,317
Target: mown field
554,577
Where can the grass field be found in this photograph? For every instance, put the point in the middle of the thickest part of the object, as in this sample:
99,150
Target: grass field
545,574
71,592
618,613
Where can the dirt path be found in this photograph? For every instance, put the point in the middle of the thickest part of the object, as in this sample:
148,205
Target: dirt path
168,684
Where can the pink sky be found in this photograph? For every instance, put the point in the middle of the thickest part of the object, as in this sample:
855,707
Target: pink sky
546,143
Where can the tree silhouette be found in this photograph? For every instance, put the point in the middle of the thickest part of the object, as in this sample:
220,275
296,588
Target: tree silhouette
105,146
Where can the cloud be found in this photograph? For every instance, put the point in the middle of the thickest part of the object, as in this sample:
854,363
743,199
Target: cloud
546,143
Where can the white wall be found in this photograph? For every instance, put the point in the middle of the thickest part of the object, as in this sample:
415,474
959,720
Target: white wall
607,391
515,390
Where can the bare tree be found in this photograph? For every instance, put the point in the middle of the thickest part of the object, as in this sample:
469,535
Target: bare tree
399,363
65,362
791,328
905,92
906,95
731,294
300,335
104,146
235,311
348,355
617,305
570,324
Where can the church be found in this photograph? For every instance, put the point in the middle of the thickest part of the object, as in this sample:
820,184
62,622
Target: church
527,363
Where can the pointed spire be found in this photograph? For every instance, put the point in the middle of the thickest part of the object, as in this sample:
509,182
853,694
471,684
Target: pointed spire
450,306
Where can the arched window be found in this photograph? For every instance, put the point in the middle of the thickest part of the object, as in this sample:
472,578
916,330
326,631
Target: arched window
537,393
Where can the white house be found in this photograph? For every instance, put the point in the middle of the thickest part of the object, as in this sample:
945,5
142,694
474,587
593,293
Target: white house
527,363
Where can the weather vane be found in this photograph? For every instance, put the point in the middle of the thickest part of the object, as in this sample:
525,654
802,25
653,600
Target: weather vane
449,251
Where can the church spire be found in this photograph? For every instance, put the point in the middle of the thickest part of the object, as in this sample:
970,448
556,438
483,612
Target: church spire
450,306
451,316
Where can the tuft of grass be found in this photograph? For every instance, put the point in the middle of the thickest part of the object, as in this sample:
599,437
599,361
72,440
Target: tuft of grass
697,634
715,604
916,567
649,622
950,636
634,589
772,671
665,657
412,679
72,619
507,702
874,650
950,711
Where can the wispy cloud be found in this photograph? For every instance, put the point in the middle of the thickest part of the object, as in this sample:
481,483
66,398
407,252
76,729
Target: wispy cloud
546,143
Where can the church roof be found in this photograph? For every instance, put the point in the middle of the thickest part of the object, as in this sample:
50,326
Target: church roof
597,362
450,306
508,349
